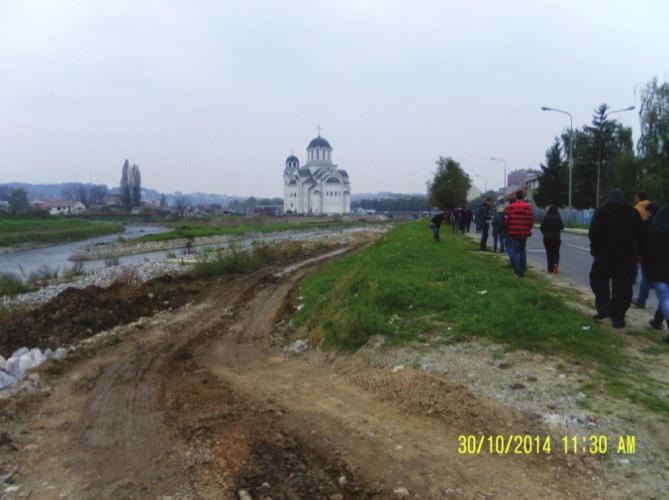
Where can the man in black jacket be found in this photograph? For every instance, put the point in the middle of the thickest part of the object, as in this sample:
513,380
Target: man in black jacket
655,264
482,219
616,235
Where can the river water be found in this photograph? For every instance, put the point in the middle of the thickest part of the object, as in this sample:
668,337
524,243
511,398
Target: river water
57,256
23,262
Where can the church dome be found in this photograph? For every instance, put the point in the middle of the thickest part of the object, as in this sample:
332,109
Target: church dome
319,142
292,161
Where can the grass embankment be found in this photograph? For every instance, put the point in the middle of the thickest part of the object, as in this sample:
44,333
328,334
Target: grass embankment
16,231
406,287
192,230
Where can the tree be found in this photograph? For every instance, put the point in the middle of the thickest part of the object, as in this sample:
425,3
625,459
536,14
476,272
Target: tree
126,193
163,201
18,201
135,186
448,189
597,147
653,144
553,181
181,204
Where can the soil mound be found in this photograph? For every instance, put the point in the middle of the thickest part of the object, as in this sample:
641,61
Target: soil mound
79,313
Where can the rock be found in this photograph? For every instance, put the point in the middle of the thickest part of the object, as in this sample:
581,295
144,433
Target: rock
297,347
517,385
11,489
3,364
6,379
20,352
7,478
342,482
244,495
401,493
48,353
398,368
580,396
60,353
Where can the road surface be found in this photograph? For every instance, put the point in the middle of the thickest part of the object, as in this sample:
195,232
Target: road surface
575,260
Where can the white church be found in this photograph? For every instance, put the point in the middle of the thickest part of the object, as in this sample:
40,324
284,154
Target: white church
319,187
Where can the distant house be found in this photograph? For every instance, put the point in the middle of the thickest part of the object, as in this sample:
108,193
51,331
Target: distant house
531,185
64,207
268,210
113,201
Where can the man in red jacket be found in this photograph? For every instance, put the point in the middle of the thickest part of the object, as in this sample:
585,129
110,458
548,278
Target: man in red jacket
518,218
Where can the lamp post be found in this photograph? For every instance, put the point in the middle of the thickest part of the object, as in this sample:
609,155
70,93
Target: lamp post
571,146
601,146
492,158
485,180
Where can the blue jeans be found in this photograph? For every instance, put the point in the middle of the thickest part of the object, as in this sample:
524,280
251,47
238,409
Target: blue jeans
509,249
662,292
435,232
519,256
497,238
644,291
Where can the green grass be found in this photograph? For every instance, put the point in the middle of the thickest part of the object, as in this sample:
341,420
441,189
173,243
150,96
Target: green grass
42,230
406,287
11,284
192,230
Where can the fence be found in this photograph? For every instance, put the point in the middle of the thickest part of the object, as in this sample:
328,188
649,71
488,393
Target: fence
569,215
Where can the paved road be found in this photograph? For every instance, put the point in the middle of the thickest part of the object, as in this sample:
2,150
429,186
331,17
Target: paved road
575,260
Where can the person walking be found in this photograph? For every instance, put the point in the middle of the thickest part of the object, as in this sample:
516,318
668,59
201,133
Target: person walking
455,219
551,225
655,264
616,236
498,230
483,219
468,221
651,209
518,219
435,225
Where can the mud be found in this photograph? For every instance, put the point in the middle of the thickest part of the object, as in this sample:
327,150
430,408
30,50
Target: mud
205,406
80,313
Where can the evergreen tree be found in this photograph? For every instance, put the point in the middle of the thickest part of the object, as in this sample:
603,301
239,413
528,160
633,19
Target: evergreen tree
448,189
653,145
126,193
135,186
18,201
553,181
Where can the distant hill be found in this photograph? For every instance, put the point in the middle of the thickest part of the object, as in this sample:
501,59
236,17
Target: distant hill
61,190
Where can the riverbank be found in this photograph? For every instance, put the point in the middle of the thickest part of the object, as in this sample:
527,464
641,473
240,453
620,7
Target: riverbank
22,233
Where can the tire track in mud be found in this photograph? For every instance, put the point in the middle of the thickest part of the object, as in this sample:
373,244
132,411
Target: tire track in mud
204,407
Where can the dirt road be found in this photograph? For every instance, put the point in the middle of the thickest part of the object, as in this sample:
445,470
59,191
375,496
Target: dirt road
204,404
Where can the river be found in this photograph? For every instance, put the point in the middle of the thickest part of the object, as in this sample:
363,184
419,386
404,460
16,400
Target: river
24,262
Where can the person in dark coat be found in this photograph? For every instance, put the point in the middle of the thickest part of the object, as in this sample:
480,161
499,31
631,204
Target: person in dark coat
456,214
437,220
655,264
615,233
498,230
651,209
483,218
468,221
551,225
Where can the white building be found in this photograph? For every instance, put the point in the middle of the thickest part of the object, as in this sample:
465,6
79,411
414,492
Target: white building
64,207
319,187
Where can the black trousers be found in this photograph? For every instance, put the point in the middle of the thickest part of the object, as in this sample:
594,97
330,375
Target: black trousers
611,281
484,235
552,246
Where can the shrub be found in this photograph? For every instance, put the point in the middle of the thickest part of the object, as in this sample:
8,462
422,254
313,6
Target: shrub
11,284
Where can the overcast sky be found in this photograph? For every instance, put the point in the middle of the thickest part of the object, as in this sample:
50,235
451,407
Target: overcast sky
212,96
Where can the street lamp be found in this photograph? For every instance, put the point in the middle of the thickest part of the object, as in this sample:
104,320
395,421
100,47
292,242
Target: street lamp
485,180
492,158
571,146
599,162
